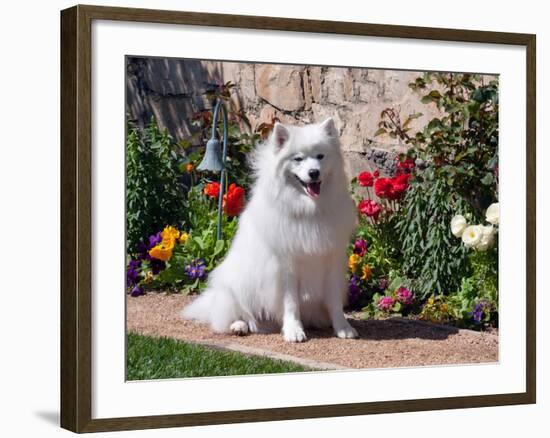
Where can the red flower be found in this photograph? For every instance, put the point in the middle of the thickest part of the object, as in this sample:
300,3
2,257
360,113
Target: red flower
365,179
383,187
376,173
212,189
400,184
405,166
369,208
392,188
233,200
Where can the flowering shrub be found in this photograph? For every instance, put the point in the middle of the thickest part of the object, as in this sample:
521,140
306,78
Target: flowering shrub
177,260
375,252
448,177
176,194
154,192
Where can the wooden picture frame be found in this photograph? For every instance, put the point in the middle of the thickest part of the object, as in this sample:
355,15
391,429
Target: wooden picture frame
76,217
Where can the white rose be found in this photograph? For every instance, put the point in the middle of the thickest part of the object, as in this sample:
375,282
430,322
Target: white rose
487,238
472,235
492,214
458,224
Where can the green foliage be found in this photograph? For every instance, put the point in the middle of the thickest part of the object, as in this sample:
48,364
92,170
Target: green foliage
164,358
154,193
239,143
460,153
201,244
485,271
164,189
463,142
436,309
382,255
480,287
430,252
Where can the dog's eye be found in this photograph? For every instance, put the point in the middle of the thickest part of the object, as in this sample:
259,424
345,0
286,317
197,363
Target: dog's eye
298,159
320,156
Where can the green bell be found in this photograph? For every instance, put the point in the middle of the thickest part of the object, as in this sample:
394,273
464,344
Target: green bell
212,157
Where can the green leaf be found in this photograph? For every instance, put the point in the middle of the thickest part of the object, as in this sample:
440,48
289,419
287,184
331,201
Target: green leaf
487,179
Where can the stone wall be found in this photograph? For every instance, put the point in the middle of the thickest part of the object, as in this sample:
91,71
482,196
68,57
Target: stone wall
172,90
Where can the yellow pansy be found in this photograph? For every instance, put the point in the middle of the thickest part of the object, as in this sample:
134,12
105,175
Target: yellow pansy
352,262
148,277
367,272
431,301
184,237
170,233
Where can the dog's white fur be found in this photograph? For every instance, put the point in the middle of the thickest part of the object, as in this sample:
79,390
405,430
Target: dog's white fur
286,266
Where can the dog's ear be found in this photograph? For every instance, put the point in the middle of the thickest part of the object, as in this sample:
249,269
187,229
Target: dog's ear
280,135
328,128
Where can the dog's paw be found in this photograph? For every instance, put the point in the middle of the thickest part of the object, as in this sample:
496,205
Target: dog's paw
239,328
347,332
294,334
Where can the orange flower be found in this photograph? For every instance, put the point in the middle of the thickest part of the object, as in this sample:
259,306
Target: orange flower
189,167
212,189
233,200
162,252
170,233
367,272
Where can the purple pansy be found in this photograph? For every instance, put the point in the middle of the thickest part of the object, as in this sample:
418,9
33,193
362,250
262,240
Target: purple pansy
157,265
155,239
196,269
354,290
132,272
136,291
479,310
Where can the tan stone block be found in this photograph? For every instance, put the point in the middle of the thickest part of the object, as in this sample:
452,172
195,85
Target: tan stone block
280,85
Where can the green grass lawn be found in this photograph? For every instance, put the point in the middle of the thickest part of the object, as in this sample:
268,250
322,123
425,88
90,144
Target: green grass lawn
164,358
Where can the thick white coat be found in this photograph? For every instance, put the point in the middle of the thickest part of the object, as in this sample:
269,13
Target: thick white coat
287,262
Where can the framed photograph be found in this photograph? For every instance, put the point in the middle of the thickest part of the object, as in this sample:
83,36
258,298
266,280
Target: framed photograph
269,218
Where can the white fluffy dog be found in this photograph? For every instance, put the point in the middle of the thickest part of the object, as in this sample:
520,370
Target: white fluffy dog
286,266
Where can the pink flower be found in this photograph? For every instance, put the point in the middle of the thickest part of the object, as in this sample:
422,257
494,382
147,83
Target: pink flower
404,296
385,303
360,248
369,208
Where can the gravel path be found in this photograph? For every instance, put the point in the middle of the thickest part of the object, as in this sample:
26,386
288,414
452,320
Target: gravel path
388,343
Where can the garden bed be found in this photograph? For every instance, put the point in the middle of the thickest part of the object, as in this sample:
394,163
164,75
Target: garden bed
394,342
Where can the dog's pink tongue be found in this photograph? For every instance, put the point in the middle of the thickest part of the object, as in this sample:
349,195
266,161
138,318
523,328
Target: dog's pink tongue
314,189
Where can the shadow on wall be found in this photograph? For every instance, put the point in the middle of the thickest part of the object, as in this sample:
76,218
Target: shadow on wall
169,89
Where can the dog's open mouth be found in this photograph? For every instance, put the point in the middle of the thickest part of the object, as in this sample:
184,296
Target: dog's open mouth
313,189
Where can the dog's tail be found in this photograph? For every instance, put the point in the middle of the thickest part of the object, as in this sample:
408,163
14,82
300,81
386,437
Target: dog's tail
216,307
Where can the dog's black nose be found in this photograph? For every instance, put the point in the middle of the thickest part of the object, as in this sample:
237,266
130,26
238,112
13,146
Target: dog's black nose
313,174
